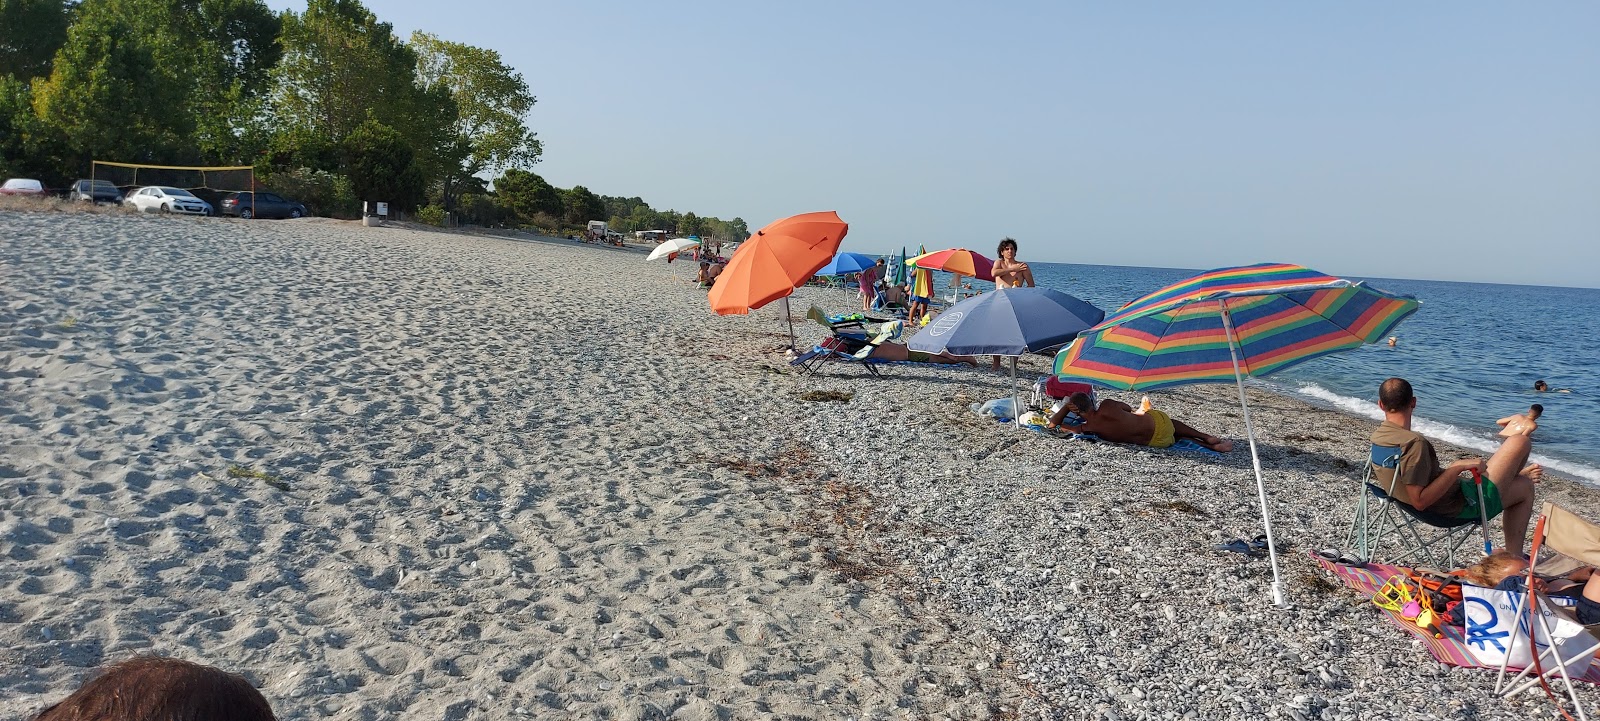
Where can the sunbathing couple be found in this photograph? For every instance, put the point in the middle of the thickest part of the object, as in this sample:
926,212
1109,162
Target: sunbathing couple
1447,490
1115,421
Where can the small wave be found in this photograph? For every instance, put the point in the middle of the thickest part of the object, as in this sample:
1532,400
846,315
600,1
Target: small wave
1446,432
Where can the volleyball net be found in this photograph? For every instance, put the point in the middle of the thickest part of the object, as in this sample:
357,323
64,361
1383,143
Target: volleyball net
219,178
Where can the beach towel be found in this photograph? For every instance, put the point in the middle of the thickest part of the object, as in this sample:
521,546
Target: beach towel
1452,648
1186,445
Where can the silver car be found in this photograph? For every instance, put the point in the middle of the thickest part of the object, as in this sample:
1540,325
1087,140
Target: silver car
164,199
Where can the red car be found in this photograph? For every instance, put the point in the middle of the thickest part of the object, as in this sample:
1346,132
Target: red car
22,186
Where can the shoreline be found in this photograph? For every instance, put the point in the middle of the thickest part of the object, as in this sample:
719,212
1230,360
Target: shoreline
479,475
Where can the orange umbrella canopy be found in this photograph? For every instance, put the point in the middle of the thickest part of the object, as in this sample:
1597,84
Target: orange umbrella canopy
777,259
959,261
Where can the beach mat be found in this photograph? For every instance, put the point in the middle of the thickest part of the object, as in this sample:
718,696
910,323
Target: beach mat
1452,648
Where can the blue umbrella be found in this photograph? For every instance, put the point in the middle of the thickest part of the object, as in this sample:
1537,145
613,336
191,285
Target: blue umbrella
844,263
1008,322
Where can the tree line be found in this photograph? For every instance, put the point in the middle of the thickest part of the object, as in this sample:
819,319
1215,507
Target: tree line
328,105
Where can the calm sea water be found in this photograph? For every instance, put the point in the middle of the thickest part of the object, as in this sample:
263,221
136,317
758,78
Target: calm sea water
1472,352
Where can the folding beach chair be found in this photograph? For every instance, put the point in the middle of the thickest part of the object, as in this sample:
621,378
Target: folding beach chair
1421,534
847,347
1050,389
1573,543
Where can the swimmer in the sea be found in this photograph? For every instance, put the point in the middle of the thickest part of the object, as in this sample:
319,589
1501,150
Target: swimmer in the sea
1393,340
1542,387
1521,424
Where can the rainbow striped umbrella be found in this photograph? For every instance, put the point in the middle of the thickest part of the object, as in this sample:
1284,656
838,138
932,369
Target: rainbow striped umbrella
1228,323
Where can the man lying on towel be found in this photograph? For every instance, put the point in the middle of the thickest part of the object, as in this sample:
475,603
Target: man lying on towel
1115,421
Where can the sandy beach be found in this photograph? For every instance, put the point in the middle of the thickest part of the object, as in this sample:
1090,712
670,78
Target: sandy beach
387,473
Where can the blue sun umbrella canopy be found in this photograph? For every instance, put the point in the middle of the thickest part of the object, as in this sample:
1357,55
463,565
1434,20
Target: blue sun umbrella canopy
1009,322
845,263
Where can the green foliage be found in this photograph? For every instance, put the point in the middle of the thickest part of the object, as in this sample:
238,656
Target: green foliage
341,67
581,206
324,194
31,31
382,166
526,195
431,214
689,224
491,100
110,95
481,209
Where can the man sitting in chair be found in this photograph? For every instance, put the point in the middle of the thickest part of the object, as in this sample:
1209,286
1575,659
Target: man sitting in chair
1424,485
1115,421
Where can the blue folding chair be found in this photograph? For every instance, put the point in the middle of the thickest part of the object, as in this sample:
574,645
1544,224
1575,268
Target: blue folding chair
1380,515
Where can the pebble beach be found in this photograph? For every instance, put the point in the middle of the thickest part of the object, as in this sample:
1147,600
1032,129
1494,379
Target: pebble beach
394,473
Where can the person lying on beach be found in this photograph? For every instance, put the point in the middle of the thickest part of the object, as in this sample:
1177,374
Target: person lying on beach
1116,422
1520,424
1423,484
153,688
1508,572
899,352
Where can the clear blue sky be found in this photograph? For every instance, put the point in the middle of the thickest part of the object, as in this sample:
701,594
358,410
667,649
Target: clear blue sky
1448,140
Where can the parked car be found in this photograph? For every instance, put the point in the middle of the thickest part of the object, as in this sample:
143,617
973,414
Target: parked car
164,199
22,186
96,191
261,204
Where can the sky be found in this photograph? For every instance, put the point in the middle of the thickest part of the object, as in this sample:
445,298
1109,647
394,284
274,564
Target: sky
1435,140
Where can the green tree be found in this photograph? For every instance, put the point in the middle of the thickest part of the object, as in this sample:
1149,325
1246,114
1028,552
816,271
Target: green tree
526,195
109,94
488,132
582,206
31,31
341,67
382,166
690,225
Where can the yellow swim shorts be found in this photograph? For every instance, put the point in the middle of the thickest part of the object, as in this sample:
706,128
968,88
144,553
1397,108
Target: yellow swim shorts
1163,436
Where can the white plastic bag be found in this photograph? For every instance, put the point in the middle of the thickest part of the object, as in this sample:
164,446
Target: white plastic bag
1491,617
999,408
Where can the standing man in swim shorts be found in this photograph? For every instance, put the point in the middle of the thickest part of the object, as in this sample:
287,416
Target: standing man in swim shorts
1116,422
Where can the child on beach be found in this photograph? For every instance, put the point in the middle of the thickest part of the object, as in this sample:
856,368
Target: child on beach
153,688
1521,424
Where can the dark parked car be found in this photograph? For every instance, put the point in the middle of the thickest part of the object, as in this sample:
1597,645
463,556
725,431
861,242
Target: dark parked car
261,205
98,191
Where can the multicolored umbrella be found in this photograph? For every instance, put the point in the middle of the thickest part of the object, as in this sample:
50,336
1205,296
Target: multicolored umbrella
899,277
1281,315
959,261
1224,324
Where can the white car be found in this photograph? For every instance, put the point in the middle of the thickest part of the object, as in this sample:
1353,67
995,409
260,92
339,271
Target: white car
163,199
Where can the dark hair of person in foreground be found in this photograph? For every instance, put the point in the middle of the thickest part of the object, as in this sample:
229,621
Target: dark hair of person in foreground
152,688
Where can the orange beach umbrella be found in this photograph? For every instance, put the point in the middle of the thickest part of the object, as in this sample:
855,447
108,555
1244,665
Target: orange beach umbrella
959,261
776,260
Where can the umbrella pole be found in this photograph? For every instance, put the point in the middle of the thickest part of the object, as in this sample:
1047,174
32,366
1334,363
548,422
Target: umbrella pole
789,317
1255,458
1016,413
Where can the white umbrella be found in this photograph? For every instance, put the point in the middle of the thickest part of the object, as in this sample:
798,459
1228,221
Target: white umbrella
674,245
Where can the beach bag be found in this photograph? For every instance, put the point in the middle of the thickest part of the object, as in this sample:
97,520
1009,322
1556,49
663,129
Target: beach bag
1491,615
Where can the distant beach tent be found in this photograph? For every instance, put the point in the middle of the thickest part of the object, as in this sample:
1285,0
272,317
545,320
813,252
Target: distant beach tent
959,261
1228,323
672,245
776,260
846,263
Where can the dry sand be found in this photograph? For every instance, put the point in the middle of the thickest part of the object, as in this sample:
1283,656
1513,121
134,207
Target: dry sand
387,473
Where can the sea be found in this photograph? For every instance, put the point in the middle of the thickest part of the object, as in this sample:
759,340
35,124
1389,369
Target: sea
1472,353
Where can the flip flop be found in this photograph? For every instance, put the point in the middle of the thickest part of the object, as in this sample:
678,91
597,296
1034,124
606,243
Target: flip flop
1239,545
1259,543
1338,558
